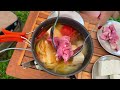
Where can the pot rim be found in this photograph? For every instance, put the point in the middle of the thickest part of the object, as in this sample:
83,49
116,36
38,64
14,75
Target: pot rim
41,64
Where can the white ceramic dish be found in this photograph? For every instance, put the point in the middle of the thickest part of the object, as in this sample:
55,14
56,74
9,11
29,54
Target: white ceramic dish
70,14
95,66
105,44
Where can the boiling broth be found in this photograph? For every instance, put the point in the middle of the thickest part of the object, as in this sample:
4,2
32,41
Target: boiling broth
47,54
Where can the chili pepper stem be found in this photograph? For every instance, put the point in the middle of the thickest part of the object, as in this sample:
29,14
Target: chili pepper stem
26,39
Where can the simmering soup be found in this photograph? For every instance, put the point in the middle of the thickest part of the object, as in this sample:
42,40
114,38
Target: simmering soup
59,61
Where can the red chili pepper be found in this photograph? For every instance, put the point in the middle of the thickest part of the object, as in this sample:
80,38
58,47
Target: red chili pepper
12,36
9,36
11,39
41,34
6,32
6,38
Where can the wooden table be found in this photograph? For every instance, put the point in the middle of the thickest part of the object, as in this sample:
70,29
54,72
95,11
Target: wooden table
35,18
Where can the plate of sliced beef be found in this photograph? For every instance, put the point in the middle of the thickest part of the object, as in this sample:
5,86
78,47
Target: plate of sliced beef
109,37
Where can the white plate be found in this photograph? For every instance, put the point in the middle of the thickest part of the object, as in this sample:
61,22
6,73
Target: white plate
105,44
70,14
95,66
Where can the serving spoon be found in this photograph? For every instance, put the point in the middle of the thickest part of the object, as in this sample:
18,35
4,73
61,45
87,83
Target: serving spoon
52,31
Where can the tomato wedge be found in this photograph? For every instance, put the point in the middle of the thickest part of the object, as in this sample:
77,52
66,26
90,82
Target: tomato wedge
67,31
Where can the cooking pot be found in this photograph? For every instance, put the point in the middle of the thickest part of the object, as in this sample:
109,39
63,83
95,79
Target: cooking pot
44,26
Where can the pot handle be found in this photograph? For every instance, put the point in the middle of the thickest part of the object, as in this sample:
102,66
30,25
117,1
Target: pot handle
72,77
1,51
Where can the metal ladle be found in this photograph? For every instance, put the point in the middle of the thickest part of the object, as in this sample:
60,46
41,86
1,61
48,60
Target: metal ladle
77,50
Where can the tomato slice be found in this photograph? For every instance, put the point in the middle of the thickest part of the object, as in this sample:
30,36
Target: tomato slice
67,30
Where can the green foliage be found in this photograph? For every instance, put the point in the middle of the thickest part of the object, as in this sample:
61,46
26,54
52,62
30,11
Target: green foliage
22,15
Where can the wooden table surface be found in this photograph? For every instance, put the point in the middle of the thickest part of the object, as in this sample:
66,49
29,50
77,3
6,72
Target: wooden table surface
35,18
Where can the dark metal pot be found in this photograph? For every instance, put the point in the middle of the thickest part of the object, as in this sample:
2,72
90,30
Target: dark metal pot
76,25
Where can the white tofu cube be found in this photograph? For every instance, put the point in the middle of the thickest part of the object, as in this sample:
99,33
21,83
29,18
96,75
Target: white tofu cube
108,67
114,76
105,68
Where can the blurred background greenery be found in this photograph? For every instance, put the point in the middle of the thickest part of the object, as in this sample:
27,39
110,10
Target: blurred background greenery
22,15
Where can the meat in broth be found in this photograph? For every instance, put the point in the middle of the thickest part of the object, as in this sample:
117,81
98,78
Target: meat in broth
47,54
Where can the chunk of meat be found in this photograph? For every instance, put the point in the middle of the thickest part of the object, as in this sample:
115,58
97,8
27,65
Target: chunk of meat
64,47
109,34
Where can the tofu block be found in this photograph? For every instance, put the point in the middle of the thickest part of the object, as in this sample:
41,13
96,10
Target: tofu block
114,76
102,77
108,67
79,58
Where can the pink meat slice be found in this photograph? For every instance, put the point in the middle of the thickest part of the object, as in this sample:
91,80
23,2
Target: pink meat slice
109,34
64,47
